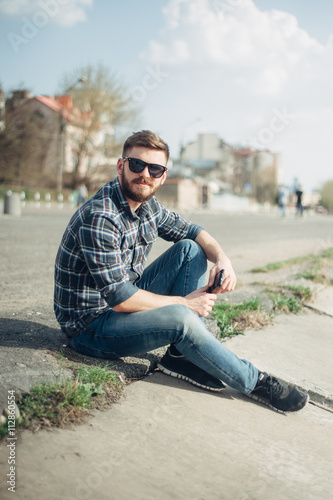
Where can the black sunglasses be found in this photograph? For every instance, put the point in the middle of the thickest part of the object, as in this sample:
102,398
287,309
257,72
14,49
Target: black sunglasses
137,166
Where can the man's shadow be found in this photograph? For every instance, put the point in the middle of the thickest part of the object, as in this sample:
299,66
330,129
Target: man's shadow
29,334
21,334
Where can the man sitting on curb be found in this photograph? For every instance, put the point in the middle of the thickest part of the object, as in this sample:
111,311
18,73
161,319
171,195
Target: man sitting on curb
110,306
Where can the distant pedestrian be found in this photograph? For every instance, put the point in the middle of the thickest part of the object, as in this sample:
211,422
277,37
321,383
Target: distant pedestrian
282,200
82,194
299,203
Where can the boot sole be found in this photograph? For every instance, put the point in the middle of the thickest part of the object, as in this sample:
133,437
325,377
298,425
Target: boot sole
298,407
166,371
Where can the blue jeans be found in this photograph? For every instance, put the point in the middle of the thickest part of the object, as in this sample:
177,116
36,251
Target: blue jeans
179,271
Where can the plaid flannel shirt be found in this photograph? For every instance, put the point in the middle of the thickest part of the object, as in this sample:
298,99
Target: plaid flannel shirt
103,252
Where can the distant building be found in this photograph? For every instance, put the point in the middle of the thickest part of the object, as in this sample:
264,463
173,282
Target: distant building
244,167
242,171
256,172
60,130
184,194
208,156
18,97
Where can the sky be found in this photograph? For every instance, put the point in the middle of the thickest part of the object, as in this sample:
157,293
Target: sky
259,73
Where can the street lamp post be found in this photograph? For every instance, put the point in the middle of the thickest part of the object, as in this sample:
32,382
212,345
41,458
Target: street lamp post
62,129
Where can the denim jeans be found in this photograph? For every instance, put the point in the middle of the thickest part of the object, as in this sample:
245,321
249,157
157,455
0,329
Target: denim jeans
179,271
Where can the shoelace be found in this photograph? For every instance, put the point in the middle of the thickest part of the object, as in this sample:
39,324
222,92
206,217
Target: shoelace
273,386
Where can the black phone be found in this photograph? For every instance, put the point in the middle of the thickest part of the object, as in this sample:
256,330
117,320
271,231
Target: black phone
217,281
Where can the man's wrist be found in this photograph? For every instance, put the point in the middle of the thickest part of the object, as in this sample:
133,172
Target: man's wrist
221,260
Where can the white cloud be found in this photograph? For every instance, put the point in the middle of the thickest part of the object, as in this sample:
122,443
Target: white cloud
235,35
63,12
234,66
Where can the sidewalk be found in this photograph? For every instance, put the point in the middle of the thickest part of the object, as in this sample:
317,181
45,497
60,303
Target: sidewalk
169,440
296,348
166,439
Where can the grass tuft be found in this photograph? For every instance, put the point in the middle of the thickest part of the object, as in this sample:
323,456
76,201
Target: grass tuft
317,261
289,298
233,319
285,303
66,402
301,292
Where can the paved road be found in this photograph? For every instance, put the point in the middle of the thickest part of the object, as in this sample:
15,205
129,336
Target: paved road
29,244
168,440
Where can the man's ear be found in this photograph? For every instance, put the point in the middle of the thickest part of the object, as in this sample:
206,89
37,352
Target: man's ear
120,165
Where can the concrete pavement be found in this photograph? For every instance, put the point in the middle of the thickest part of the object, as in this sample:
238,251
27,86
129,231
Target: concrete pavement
296,348
166,439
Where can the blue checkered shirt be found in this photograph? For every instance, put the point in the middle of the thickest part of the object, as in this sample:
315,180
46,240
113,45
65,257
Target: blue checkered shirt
103,252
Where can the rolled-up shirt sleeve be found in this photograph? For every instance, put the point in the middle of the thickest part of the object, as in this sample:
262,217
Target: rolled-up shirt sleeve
173,227
101,247
193,231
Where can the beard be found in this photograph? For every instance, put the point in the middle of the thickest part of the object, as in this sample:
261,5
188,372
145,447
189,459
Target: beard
134,192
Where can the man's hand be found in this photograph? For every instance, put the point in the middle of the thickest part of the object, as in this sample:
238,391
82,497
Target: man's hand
229,280
220,260
200,302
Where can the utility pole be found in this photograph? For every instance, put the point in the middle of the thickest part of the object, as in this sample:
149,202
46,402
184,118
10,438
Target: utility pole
62,137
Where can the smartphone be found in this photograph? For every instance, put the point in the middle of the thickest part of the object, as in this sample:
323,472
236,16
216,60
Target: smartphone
217,281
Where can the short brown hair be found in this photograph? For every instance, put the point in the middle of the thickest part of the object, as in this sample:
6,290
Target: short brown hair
145,139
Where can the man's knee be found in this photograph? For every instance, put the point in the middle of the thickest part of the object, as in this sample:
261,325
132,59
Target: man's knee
186,324
187,244
192,248
181,318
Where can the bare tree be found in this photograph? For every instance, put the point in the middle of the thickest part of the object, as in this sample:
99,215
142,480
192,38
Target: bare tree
107,107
